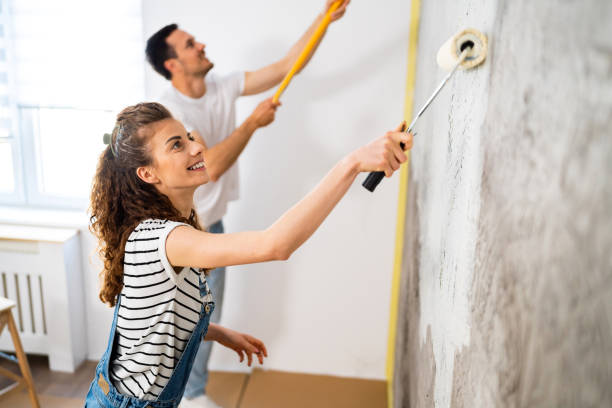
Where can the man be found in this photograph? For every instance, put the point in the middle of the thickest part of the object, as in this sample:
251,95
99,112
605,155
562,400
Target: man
205,104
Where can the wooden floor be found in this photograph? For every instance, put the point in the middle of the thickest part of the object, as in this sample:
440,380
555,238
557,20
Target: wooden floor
259,389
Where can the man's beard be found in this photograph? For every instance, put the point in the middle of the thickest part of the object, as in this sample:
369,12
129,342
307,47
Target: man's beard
205,71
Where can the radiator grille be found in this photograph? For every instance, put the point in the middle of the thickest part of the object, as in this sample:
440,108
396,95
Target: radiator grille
26,290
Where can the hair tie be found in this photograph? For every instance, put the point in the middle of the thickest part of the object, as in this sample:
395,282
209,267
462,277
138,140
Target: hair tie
108,140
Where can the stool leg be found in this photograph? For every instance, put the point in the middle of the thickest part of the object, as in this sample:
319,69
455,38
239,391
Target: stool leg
23,361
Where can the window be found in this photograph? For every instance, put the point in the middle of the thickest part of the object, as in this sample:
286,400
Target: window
66,68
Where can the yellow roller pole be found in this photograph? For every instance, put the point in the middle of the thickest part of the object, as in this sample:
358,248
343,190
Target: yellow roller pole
307,50
401,202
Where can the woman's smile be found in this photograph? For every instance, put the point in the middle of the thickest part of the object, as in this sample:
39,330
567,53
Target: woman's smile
199,166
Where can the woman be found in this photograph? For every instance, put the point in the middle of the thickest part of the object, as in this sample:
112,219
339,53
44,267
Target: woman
155,254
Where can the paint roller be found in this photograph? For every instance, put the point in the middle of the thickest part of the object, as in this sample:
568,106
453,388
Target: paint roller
314,39
466,49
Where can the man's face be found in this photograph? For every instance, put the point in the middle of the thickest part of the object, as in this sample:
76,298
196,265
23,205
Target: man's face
190,54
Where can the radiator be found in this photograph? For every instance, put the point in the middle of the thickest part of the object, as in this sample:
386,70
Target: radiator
40,270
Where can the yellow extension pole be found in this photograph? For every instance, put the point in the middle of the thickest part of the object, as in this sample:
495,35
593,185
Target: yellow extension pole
314,39
401,202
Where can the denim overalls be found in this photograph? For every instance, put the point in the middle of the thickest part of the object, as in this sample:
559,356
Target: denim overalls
102,393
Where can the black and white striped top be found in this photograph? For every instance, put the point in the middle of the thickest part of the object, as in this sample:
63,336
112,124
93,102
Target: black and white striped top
158,312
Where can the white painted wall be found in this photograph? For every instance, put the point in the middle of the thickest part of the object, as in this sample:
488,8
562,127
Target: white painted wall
451,205
508,213
325,310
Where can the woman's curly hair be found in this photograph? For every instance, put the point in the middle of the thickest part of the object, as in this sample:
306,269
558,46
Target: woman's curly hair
120,200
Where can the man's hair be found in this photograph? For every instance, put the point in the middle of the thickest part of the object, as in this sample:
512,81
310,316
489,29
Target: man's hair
158,50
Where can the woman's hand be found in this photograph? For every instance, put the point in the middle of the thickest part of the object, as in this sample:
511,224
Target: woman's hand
385,153
241,343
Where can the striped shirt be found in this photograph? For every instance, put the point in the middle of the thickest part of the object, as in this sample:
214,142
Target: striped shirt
158,312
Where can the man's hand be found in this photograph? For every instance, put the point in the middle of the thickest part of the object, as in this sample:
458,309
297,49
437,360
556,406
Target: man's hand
339,11
264,113
243,344
271,75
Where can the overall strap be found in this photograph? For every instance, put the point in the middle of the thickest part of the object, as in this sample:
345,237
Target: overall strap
175,387
111,338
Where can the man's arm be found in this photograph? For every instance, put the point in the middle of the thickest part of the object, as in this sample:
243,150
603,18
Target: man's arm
271,75
241,343
221,156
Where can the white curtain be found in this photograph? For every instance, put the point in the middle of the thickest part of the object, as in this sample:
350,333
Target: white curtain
71,66
76,53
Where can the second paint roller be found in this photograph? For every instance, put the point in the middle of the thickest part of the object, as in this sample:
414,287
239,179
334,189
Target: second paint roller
466,49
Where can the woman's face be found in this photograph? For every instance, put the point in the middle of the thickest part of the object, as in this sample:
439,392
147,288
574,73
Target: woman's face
178,159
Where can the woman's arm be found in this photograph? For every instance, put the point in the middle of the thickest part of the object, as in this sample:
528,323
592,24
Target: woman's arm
187,246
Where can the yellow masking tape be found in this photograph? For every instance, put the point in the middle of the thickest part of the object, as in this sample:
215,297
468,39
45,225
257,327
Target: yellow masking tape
314,39
401,202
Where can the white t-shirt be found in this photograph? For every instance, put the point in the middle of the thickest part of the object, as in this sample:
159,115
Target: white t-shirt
158,312
214,117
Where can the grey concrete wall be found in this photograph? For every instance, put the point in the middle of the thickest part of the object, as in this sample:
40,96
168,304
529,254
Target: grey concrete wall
506,297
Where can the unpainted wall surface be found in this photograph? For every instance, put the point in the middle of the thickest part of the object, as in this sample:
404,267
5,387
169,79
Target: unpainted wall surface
507,277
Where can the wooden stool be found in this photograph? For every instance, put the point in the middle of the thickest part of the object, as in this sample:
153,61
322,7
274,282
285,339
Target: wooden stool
6,317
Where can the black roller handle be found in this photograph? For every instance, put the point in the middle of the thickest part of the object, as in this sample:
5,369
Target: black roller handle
375,177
